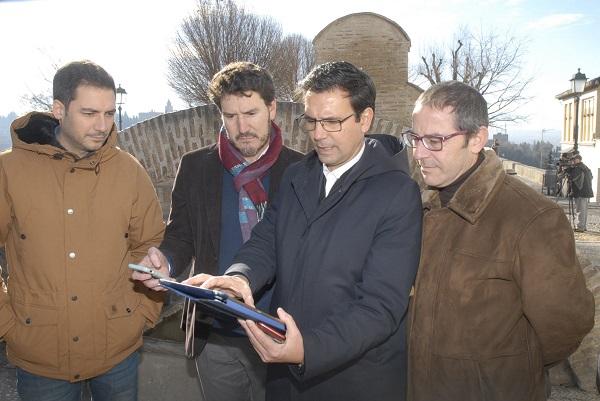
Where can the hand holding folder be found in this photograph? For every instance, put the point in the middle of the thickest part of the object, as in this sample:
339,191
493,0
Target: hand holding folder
215,302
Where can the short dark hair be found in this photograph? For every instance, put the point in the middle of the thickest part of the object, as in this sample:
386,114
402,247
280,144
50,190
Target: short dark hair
468,105
70,76
239,78
345,76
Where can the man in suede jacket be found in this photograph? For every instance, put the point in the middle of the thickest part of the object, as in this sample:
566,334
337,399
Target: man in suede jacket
499,293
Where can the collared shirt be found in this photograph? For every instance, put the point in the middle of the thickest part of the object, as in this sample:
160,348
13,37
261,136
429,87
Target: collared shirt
332,176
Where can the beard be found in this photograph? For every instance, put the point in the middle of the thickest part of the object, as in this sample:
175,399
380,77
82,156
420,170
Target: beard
250,149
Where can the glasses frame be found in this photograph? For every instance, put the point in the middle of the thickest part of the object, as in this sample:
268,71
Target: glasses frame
340,122
417,138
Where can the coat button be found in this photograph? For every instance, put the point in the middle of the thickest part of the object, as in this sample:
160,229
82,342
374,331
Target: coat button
72,255
72,171
75,338
23,236
76,377
28,320
128,310
70,211
74,298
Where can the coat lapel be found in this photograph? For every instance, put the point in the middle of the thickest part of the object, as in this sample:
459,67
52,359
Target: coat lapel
213,177
306,185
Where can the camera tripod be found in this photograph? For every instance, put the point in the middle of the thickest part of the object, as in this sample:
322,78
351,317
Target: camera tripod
569,194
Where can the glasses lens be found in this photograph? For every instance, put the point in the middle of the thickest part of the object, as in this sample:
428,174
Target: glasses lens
409,139
433,143
331,125
306,124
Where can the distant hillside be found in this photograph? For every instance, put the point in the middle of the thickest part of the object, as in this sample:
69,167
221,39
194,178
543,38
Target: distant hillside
531,136
5,122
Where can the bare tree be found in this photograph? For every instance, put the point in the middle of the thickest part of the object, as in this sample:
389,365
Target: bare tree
490,62
42,101
220,32
38,101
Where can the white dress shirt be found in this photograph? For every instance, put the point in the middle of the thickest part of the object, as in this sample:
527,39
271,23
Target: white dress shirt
331,176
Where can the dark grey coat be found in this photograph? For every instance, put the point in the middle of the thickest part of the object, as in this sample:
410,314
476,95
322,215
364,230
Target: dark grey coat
344,269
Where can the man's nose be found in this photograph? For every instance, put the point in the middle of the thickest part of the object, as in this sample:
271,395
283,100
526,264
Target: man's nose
242,124
419,150
102,123
319,132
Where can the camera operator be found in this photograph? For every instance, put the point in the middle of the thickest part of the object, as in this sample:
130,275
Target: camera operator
580,190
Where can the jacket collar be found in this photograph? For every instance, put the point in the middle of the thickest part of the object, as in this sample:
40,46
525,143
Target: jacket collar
475,194
374,161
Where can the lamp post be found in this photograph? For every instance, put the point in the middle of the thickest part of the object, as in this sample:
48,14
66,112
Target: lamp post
121,92
577,86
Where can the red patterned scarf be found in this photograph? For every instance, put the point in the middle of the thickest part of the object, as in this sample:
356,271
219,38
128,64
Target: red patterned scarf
247,177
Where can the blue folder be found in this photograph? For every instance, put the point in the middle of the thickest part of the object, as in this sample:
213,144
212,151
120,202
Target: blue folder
217,302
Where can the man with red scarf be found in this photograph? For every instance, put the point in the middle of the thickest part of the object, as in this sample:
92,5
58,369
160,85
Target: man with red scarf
220,193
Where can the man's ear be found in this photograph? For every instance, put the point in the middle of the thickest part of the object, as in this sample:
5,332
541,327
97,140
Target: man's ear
58,109
366,119
272,109
479,140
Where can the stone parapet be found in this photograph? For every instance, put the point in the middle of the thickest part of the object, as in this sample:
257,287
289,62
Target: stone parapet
160,142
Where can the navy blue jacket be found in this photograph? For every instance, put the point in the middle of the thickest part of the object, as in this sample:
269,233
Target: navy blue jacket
344,268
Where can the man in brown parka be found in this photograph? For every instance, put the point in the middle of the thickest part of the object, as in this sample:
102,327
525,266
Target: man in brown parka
499,293
74,211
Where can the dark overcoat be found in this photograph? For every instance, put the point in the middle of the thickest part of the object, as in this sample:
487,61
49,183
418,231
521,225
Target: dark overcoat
344,267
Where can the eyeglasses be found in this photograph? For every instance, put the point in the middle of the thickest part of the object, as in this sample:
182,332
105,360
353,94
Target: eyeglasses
431,142
308,124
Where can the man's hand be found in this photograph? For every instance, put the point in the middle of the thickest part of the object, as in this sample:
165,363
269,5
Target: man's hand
270,351
236,286
156,260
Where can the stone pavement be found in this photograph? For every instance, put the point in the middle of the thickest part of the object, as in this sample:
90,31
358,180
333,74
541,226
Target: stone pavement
560,393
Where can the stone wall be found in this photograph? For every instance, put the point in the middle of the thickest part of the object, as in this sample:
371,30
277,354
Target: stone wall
159,143
380,47
531,173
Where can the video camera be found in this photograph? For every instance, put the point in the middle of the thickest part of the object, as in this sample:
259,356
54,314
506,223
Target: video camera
566,159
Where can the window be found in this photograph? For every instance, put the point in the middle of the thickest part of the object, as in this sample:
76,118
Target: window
568,123
587,119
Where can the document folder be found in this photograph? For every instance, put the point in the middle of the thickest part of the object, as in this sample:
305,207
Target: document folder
215,302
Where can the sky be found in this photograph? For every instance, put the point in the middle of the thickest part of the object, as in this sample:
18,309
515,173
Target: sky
131,40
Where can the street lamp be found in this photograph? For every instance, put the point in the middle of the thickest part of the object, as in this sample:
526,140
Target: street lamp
577,86
121,92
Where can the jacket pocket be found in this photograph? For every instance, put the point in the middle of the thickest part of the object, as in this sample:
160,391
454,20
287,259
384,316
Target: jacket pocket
34,337
478,312
124,322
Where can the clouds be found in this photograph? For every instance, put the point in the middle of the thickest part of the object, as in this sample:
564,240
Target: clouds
555,21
